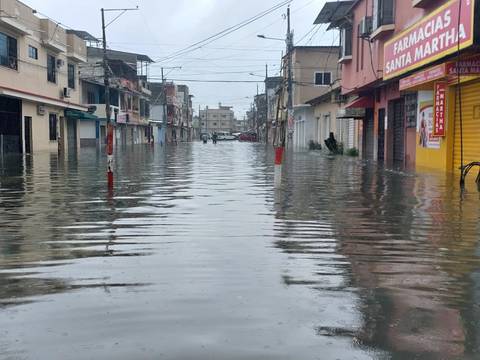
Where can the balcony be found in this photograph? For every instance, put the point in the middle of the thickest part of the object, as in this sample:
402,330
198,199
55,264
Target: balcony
383,21
422,3
11,13
54,36
76,48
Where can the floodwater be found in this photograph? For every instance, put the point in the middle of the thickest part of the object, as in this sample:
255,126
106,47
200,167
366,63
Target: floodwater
195,255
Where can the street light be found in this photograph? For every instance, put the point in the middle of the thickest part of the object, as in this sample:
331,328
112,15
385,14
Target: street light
269,38
252,74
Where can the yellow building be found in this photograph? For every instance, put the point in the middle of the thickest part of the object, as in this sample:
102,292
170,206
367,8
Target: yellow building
38,81
441,73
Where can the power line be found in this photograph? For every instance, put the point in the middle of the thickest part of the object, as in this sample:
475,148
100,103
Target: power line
225,32
212,81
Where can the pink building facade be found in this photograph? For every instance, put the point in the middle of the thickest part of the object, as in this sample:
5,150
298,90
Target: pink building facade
387,132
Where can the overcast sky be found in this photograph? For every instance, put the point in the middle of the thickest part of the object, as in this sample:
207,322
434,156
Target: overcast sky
159,28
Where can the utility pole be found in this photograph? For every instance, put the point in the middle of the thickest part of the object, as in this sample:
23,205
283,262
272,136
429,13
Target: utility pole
164,101
106,81
108,110
286,128
267,120
256,115
290,78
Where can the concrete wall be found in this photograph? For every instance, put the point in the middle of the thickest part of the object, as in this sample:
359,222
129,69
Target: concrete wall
306,62
31,75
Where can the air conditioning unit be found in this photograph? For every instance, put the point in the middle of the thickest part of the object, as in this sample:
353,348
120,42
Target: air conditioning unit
40,109
365,27
60,63
66,92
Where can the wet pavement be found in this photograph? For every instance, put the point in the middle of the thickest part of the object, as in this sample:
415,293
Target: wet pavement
196,256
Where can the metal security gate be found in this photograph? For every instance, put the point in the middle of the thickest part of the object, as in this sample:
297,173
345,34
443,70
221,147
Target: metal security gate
399,131
368,135
72,134
471,126
381,134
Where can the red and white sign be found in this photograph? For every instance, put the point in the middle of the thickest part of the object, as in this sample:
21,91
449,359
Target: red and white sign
435,36
440,108
422,77
469,66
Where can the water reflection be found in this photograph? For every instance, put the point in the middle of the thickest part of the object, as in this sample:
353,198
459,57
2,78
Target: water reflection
195,255
404,245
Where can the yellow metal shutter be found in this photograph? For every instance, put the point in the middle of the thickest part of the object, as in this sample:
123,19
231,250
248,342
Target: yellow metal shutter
471,126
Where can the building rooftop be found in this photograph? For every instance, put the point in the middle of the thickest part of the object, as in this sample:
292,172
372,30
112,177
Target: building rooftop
334,12
128,57
83,35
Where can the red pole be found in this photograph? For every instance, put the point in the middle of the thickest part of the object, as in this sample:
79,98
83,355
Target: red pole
278,165
279,155
110,154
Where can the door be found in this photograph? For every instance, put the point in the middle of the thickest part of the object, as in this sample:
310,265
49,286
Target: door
72,134
10,125
399,131
27,136
381,134
368,135
471,127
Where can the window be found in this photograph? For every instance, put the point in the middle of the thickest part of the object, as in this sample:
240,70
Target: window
147,109
8,51
323,78
346,36
52,123
51,68
71,76
32,52
214,124
91,97
383,13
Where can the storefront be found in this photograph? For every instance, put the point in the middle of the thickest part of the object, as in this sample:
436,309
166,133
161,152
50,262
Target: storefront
441,101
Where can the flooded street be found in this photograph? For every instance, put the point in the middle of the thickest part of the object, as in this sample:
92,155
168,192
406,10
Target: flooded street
196,256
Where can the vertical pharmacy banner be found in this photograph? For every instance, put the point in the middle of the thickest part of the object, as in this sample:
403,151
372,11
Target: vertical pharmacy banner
440,108
425,121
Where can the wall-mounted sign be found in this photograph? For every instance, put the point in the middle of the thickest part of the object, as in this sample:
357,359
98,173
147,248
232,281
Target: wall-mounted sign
469,66
440,108
423,77
425,121
433,37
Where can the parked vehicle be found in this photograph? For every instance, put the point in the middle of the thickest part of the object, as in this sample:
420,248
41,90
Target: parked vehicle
248,136
225,136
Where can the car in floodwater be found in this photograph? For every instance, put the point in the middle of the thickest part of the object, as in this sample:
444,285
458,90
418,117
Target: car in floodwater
225,136
248,136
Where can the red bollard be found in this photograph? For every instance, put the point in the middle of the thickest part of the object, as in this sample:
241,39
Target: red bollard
279,155
278,166
110,155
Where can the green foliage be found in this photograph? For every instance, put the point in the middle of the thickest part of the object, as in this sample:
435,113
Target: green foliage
352,152
312,145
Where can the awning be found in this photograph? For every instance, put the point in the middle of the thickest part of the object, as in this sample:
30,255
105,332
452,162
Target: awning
77,114
362,102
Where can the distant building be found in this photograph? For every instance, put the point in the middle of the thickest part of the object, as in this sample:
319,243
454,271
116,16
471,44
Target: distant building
241,125
176,101
217,120
129,97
